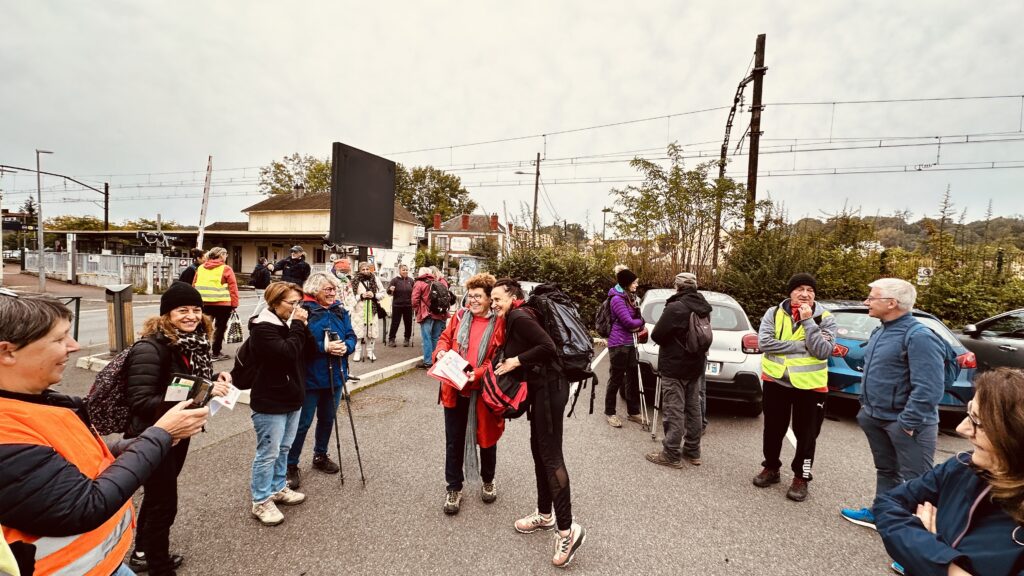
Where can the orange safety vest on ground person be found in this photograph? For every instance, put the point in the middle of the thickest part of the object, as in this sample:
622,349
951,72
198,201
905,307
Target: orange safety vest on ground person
210,284
98,552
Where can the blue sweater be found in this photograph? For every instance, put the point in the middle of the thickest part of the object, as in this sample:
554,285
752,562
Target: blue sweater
900,384
334,319
987,545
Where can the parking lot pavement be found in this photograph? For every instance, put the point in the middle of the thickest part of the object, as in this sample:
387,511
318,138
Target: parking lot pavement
640,518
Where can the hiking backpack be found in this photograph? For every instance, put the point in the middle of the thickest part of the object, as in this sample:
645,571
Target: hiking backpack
107,401
698,334
560,318
505,396
951,368
603,319
246,368
440,298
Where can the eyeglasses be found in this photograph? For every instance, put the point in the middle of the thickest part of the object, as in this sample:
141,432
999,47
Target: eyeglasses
331,289
476,296
292,302
975,423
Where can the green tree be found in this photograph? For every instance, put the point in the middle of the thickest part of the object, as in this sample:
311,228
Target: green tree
280,177
29,206
425,190
68,222
148,224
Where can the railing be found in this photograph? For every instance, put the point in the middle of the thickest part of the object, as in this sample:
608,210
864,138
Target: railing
107,268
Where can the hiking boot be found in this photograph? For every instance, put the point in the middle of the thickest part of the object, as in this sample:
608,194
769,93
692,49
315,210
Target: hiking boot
566,546
324,464
452,502
533,522
635,418
137,561
662,460
797,490
391,344
766,478
408,344
267,513
489,492
693,461
288,497
863,517
614,421
293,477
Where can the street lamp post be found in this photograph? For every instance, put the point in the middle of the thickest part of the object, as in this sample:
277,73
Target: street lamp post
39,221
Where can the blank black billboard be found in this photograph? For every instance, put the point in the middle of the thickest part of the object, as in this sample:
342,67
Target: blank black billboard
362,198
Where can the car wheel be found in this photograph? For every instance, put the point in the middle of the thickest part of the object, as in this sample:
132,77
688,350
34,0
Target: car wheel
753,409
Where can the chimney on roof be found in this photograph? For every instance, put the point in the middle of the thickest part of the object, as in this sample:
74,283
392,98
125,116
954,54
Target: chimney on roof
299,191
494,222
437,221
465,221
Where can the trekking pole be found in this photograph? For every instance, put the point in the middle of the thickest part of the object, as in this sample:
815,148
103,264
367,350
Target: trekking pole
644,422
337,435
657,402
355,440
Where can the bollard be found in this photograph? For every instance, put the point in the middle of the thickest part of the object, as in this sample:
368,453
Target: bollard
120,326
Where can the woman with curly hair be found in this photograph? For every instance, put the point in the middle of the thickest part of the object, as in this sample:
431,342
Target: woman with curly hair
175,342
966,516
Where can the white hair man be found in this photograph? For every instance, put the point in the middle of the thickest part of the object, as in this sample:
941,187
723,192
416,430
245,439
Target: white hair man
903,383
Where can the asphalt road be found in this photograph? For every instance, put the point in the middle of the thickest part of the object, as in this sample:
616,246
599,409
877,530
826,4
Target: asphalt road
640,518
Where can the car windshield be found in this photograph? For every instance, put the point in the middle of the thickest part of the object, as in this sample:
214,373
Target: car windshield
722,317
858,326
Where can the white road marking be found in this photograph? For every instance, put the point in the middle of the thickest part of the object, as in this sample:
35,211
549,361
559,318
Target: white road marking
791,437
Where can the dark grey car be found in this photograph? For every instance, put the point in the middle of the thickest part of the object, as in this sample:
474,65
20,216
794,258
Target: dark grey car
996,341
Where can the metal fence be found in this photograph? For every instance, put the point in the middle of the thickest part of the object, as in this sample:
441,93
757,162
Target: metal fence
103,269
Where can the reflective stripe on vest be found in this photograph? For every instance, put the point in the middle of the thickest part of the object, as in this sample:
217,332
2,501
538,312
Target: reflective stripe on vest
98,551
800,369
210,286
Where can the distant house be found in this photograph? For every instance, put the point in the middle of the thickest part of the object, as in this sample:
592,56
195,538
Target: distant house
457,236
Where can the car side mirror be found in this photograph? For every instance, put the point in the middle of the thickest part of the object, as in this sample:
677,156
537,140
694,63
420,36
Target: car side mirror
970,330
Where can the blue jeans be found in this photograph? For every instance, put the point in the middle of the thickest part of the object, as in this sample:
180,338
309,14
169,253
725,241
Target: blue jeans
123,571
318,402
274,435
430,332
898,456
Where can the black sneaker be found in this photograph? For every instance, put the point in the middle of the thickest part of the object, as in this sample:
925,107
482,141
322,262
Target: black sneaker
353,378
391,344
294,478
324,464
137,561
766,478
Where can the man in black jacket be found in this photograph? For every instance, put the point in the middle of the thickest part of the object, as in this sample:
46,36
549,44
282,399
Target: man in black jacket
294,268
680,372
65,499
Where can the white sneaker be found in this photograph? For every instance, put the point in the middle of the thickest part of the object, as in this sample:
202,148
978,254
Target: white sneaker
288,497
566,546
267,512
358,354
533,522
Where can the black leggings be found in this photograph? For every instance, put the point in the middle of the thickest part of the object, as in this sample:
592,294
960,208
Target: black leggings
220,315
158,509
547,407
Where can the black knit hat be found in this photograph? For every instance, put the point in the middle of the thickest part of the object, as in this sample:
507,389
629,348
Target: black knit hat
179,294
625,277
802,279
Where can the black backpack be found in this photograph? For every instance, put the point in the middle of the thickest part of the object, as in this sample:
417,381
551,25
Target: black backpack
246,368
440,298
560,318
603,319
698,334
107,401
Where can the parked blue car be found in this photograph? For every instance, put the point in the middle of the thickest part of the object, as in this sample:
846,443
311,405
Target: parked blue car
854,327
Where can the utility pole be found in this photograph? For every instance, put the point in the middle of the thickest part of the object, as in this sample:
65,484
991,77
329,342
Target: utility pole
604,221
206,202
39,222
106,212
2,172
536,190
755,133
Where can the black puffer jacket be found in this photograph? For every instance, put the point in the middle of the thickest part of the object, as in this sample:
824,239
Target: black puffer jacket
294,270
670,331
280,385
42,494
148,369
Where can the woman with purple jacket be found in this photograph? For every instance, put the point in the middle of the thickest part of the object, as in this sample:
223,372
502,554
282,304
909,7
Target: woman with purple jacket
622,351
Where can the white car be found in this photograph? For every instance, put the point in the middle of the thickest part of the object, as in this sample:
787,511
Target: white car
734,361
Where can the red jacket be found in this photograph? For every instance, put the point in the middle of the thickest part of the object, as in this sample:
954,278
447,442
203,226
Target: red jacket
421,298
489,426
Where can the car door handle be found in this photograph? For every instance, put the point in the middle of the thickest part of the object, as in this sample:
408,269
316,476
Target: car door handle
1007,348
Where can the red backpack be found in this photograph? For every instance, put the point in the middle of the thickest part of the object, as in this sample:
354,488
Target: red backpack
504,395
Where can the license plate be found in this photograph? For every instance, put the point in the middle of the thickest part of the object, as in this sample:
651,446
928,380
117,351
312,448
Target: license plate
713,368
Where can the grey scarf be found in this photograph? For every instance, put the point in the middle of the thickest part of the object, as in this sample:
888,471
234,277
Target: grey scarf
471,467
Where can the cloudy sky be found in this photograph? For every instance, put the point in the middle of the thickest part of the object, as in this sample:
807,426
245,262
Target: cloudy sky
141,93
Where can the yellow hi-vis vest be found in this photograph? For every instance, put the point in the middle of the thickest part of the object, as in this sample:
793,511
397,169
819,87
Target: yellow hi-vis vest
209,285
99,551
804,370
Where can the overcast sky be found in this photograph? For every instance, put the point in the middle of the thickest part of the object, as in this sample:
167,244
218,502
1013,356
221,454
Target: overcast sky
141,93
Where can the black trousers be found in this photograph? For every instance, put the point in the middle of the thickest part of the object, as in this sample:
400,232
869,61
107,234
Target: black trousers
401,314
547,409
158,509
220,315
623,374
806,410
455,430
